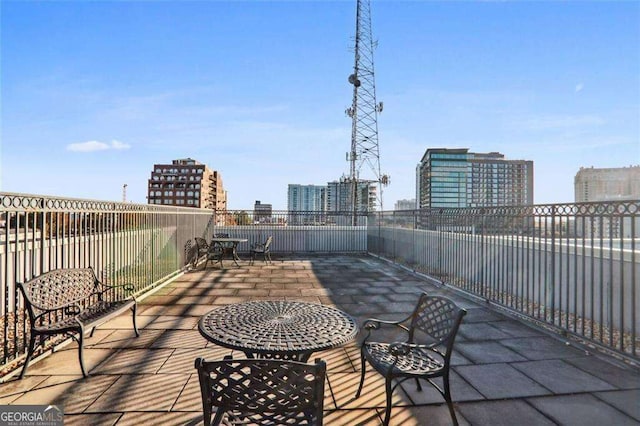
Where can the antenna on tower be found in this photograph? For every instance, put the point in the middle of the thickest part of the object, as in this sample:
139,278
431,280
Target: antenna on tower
364,111
124,193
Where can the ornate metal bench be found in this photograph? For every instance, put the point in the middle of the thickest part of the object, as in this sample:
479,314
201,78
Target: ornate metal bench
70,301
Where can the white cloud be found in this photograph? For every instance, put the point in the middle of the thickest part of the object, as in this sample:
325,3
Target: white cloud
579,87
91,146
119,145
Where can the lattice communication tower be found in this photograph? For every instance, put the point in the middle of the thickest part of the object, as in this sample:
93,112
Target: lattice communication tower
364,111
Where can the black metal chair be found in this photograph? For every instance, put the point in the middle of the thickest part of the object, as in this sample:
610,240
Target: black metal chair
262,248
190,254
424,354
203,246
227,247
261,391
215,253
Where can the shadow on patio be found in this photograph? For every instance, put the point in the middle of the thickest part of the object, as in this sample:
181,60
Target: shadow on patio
504,372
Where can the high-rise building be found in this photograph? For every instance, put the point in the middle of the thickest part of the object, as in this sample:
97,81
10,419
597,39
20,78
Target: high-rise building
405,204
340,196
187,183
459,178
262,212
613,184
304,202
306,197
608,185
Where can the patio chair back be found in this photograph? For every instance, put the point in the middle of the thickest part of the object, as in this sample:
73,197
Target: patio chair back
262,391
202,245
438,318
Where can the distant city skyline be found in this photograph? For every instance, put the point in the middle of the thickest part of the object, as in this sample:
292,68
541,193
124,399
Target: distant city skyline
95,93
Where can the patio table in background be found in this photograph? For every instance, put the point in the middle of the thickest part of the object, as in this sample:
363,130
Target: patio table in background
222,241
277,328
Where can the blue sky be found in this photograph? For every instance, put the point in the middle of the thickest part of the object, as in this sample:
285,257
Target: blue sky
94,93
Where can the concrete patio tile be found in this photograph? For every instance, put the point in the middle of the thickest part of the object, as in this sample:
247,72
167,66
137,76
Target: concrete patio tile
358,417
458,359
141,392
101,419
125,322
8,399
627,401
127,339
202,300
308,299
581,409
344,385
400,309
286,292
413,291
561,377
172,322
517,329
496,381
337,360
622,377
65,361
72,393
161,418
226,300
182,360
433,415
171,395
461,390
481,315
190,399
503,413
487,352
160,300
381,299
538,348
254,293
135,361
204,293
15,387
179,339
481,331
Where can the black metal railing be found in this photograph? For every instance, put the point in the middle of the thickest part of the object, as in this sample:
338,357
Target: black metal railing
573,267
296,232
123,242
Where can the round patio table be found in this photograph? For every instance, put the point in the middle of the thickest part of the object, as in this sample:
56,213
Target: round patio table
278,329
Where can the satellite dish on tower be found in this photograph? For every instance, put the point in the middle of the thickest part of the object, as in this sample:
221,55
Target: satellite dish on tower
354,80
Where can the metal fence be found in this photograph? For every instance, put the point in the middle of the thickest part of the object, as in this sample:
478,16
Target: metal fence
123,242
139,244
296,232
574,267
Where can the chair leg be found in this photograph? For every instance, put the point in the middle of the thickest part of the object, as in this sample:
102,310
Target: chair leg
447,397
389,392
362,373
216,420
80,347
135,327
32,345
418,385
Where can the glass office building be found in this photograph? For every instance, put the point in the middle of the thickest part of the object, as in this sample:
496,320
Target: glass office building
451,178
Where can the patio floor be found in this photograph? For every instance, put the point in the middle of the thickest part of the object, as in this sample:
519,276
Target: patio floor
504,373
